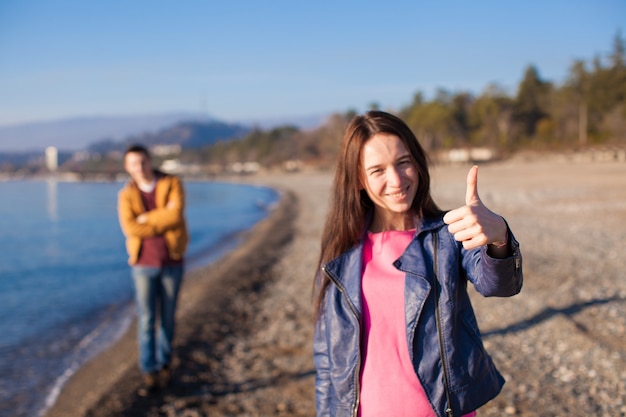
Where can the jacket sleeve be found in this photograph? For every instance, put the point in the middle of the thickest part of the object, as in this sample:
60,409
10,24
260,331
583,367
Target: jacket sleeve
171,215
128,218
322,367
494,277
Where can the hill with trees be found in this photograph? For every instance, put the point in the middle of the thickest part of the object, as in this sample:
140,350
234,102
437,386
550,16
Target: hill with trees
587,109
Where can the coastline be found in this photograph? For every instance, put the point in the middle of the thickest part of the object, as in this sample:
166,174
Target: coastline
207,314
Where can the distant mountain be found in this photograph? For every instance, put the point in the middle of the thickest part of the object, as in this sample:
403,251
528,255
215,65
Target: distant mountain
77,133
188,135
81,132
303,122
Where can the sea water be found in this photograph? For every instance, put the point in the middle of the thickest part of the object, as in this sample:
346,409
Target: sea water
65,287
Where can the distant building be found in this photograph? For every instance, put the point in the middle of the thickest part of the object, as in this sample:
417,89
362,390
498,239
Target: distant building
164,150
463,155
52,158
81,156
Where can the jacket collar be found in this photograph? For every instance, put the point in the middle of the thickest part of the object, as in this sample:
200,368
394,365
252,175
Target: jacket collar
429,224
346,269
155,172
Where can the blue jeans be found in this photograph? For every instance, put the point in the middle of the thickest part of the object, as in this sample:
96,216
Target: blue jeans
156,290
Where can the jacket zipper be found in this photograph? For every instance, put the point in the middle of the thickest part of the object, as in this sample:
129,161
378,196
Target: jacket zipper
444,362
357,384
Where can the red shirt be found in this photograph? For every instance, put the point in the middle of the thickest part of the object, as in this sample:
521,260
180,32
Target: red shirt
154,251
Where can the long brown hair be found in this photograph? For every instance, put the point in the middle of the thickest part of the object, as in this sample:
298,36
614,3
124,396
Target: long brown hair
350,204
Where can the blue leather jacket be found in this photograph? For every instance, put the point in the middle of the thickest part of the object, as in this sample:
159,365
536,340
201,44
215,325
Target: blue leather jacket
473,378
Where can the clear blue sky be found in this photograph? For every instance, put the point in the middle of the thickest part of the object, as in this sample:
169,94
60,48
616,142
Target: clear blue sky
243,59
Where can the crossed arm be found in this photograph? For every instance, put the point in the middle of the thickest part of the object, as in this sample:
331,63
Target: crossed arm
154,222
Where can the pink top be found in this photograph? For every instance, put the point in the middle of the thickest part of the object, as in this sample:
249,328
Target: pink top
389,384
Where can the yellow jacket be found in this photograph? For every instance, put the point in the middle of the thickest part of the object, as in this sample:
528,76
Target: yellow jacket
168,219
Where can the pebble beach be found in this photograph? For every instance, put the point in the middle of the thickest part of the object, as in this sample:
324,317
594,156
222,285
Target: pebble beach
244,336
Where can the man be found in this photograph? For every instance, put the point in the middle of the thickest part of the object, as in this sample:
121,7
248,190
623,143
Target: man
151,214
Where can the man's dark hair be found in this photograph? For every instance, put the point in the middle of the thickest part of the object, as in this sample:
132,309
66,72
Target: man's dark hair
136,148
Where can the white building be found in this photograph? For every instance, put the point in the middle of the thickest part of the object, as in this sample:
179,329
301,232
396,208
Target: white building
52,158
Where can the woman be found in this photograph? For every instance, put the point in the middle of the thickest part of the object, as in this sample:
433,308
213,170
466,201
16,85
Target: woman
395,331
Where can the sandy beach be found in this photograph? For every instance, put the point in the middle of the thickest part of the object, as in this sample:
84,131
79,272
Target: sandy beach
243,344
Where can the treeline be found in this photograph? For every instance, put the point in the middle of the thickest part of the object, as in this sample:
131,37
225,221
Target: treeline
588,108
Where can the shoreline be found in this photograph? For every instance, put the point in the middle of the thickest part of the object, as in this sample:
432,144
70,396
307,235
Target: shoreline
102,375
127,318
116,322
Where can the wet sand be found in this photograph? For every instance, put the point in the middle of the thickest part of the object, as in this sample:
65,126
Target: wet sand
243,345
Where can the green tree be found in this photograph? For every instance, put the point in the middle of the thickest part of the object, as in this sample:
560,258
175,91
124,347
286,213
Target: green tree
490,118
607,95
531,103
440,123
578,83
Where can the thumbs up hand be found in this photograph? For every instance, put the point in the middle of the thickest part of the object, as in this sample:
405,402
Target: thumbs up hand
474,224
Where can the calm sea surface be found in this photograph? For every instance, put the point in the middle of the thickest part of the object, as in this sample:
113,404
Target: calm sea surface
65,289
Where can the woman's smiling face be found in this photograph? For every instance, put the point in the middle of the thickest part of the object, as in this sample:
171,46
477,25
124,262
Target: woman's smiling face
390,179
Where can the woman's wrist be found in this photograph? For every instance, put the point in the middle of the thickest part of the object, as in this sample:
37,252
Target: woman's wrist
501,243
